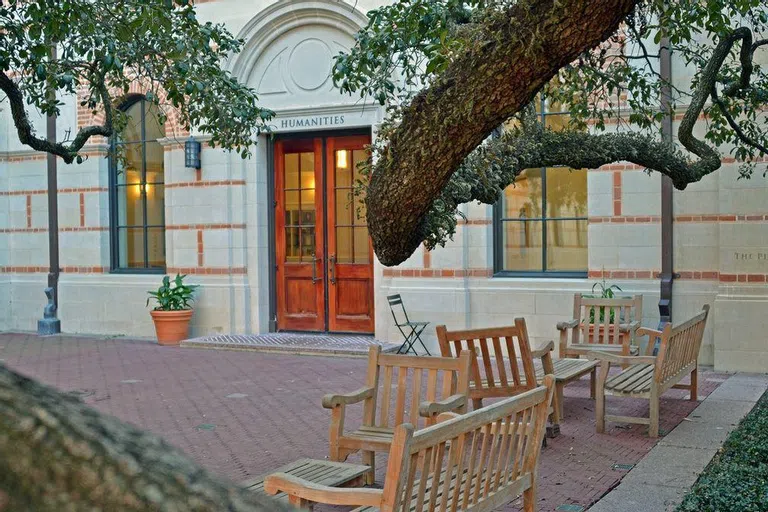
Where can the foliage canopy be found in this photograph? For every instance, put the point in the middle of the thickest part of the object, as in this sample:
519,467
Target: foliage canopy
104,49
409,48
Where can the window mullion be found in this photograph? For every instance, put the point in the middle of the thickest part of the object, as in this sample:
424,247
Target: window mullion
114,259
544,219
543,197
143,183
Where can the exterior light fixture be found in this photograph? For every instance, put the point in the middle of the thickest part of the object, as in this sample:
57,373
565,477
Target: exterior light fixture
192,153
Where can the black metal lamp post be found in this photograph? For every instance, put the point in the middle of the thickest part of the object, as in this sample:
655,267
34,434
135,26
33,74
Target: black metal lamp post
192,153
50,324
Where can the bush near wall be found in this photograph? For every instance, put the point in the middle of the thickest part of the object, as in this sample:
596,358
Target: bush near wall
737,477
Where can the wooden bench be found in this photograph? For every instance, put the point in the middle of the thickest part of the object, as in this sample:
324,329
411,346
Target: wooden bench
322,472
600,324
650,376
489,347
486,345
398,388
477,461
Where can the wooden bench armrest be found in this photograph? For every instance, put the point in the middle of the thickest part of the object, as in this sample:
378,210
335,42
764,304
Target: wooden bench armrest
612,358
429,409
543,350
443,416
330,401
304,489
644,331
631,326
570,324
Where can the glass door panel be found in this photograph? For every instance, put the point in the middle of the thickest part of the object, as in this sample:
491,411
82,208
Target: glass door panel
350,262
299,243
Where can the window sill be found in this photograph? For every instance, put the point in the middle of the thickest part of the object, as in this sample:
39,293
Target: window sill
150,271
541,275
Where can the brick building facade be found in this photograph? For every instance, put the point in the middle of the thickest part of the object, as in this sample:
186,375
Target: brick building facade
554,235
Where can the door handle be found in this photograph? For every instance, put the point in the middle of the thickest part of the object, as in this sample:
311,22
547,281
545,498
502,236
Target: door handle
332,267
314,269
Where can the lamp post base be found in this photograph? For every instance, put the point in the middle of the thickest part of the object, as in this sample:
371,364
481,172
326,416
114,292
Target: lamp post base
48,326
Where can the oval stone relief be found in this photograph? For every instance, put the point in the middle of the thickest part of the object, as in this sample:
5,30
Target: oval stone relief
310,64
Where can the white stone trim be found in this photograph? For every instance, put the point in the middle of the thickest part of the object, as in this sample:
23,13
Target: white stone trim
285,15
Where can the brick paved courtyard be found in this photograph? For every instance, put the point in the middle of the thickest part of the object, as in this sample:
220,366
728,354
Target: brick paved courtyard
241,414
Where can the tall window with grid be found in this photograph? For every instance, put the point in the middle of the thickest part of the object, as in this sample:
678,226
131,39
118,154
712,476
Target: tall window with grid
540,223
137,192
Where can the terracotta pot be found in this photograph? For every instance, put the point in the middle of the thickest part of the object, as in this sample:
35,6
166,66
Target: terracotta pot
171,326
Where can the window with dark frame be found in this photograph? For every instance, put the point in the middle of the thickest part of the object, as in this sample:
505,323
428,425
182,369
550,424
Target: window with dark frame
137,192
540,222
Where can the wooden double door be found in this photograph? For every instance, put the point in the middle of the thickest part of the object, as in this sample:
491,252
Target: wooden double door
323,252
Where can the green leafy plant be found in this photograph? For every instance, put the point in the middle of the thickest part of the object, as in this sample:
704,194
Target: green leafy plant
606,292
737,477
173,295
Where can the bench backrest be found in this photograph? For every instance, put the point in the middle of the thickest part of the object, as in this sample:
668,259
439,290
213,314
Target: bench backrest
679,349
491,374
403,382
599,319
488,457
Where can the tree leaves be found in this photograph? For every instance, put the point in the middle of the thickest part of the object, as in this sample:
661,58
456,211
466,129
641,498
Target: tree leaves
173,296
105,47
402,55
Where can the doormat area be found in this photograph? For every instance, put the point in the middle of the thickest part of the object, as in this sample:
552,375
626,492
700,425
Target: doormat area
293,343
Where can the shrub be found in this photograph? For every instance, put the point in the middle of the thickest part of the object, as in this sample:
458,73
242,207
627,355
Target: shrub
737,477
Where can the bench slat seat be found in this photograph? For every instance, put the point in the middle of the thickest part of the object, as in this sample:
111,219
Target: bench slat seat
564,370
635,380
323,472
368,438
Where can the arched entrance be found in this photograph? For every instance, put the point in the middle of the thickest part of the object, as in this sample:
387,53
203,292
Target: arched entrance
321,259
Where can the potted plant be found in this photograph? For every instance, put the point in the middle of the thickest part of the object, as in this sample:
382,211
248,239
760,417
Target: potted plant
173,311
606,292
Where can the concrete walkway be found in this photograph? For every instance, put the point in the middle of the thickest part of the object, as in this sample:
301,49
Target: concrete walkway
663,477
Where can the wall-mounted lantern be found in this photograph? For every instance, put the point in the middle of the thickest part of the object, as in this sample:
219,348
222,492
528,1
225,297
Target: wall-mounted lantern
192,153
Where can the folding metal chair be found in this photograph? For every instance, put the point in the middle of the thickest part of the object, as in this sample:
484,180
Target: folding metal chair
416,328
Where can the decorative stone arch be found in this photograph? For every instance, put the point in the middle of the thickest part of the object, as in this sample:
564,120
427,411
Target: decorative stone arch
288,54
308,103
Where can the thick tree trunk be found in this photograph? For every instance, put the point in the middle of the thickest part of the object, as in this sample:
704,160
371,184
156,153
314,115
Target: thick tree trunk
57,454
507,61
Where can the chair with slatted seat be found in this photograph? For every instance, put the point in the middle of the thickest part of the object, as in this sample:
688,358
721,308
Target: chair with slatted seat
502,363
649,376
601,324
398,388
474,462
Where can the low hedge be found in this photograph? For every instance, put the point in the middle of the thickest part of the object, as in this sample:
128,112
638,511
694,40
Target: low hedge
737,477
